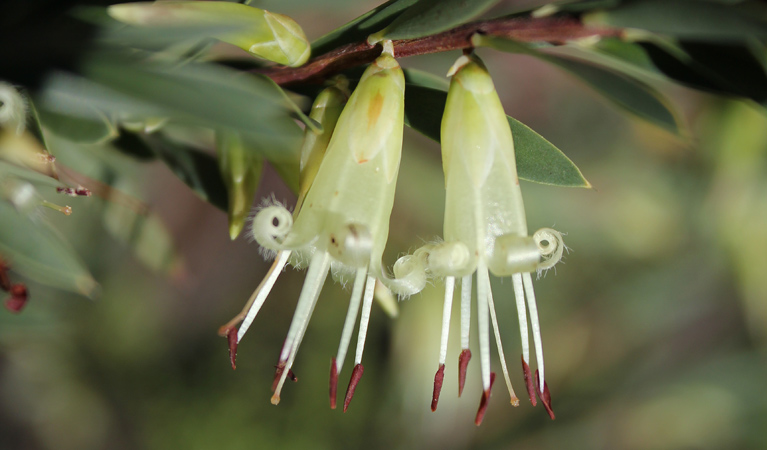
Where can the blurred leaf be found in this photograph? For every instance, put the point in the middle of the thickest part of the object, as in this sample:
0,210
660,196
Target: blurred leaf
36,251
688,19
143,232
538,160
433,16
78,129
629,93
730,69
360,28
12,170
202,94
196,169
241,170
133,145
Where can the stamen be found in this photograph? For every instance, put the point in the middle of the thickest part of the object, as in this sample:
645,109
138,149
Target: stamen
315,278
448,306
483,325
535,325
483,402
367,302
356,376
519,296
231,336
463,363
439,377
333,383
351,316
465,311
545,397
496,331
257,299
463,359
528,381
279,368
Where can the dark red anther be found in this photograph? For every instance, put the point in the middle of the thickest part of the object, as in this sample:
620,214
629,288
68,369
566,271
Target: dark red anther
356,376
484,401
528,381
333,383
438,379
545,396
83,192
277,374
231,337
463,363
18,299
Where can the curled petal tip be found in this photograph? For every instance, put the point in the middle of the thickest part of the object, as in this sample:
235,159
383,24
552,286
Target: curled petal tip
333,383
231,337
439,377
529,381
545,396
463,363
356,376
483,402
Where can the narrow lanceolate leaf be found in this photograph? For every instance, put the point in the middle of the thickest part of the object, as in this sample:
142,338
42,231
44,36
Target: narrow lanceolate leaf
241,171
627,92
688,19
8,170
95,130
35,250
538,160
268,35
196,169
433,16
361,27
195,93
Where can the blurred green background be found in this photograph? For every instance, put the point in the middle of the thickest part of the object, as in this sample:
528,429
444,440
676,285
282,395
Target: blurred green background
654,325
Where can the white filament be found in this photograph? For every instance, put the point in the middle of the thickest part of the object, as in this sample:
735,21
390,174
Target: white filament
447,308
483,329
497,332
262,291
465,311
519,296
351,317
367,302
534,324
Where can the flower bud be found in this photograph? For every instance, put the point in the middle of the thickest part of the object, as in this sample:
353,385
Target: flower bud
241,170
267,35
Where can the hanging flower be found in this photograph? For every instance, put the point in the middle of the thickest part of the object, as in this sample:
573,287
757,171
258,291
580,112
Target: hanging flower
485,230
342,223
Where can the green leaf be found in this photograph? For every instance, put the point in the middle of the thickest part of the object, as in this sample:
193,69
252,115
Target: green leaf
142,231
78,129
201,94
690,19
37,251
629,93
196,169
8,170
538,160
433,16
363,26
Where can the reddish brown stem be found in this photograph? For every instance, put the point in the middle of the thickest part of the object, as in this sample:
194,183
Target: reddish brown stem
554,30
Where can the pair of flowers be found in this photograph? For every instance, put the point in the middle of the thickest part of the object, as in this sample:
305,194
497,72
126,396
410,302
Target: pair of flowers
341,222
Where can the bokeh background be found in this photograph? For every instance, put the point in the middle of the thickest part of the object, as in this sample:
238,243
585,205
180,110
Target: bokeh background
654,325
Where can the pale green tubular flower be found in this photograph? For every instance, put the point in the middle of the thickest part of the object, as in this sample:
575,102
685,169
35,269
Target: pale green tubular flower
262,33
343,221
485,228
